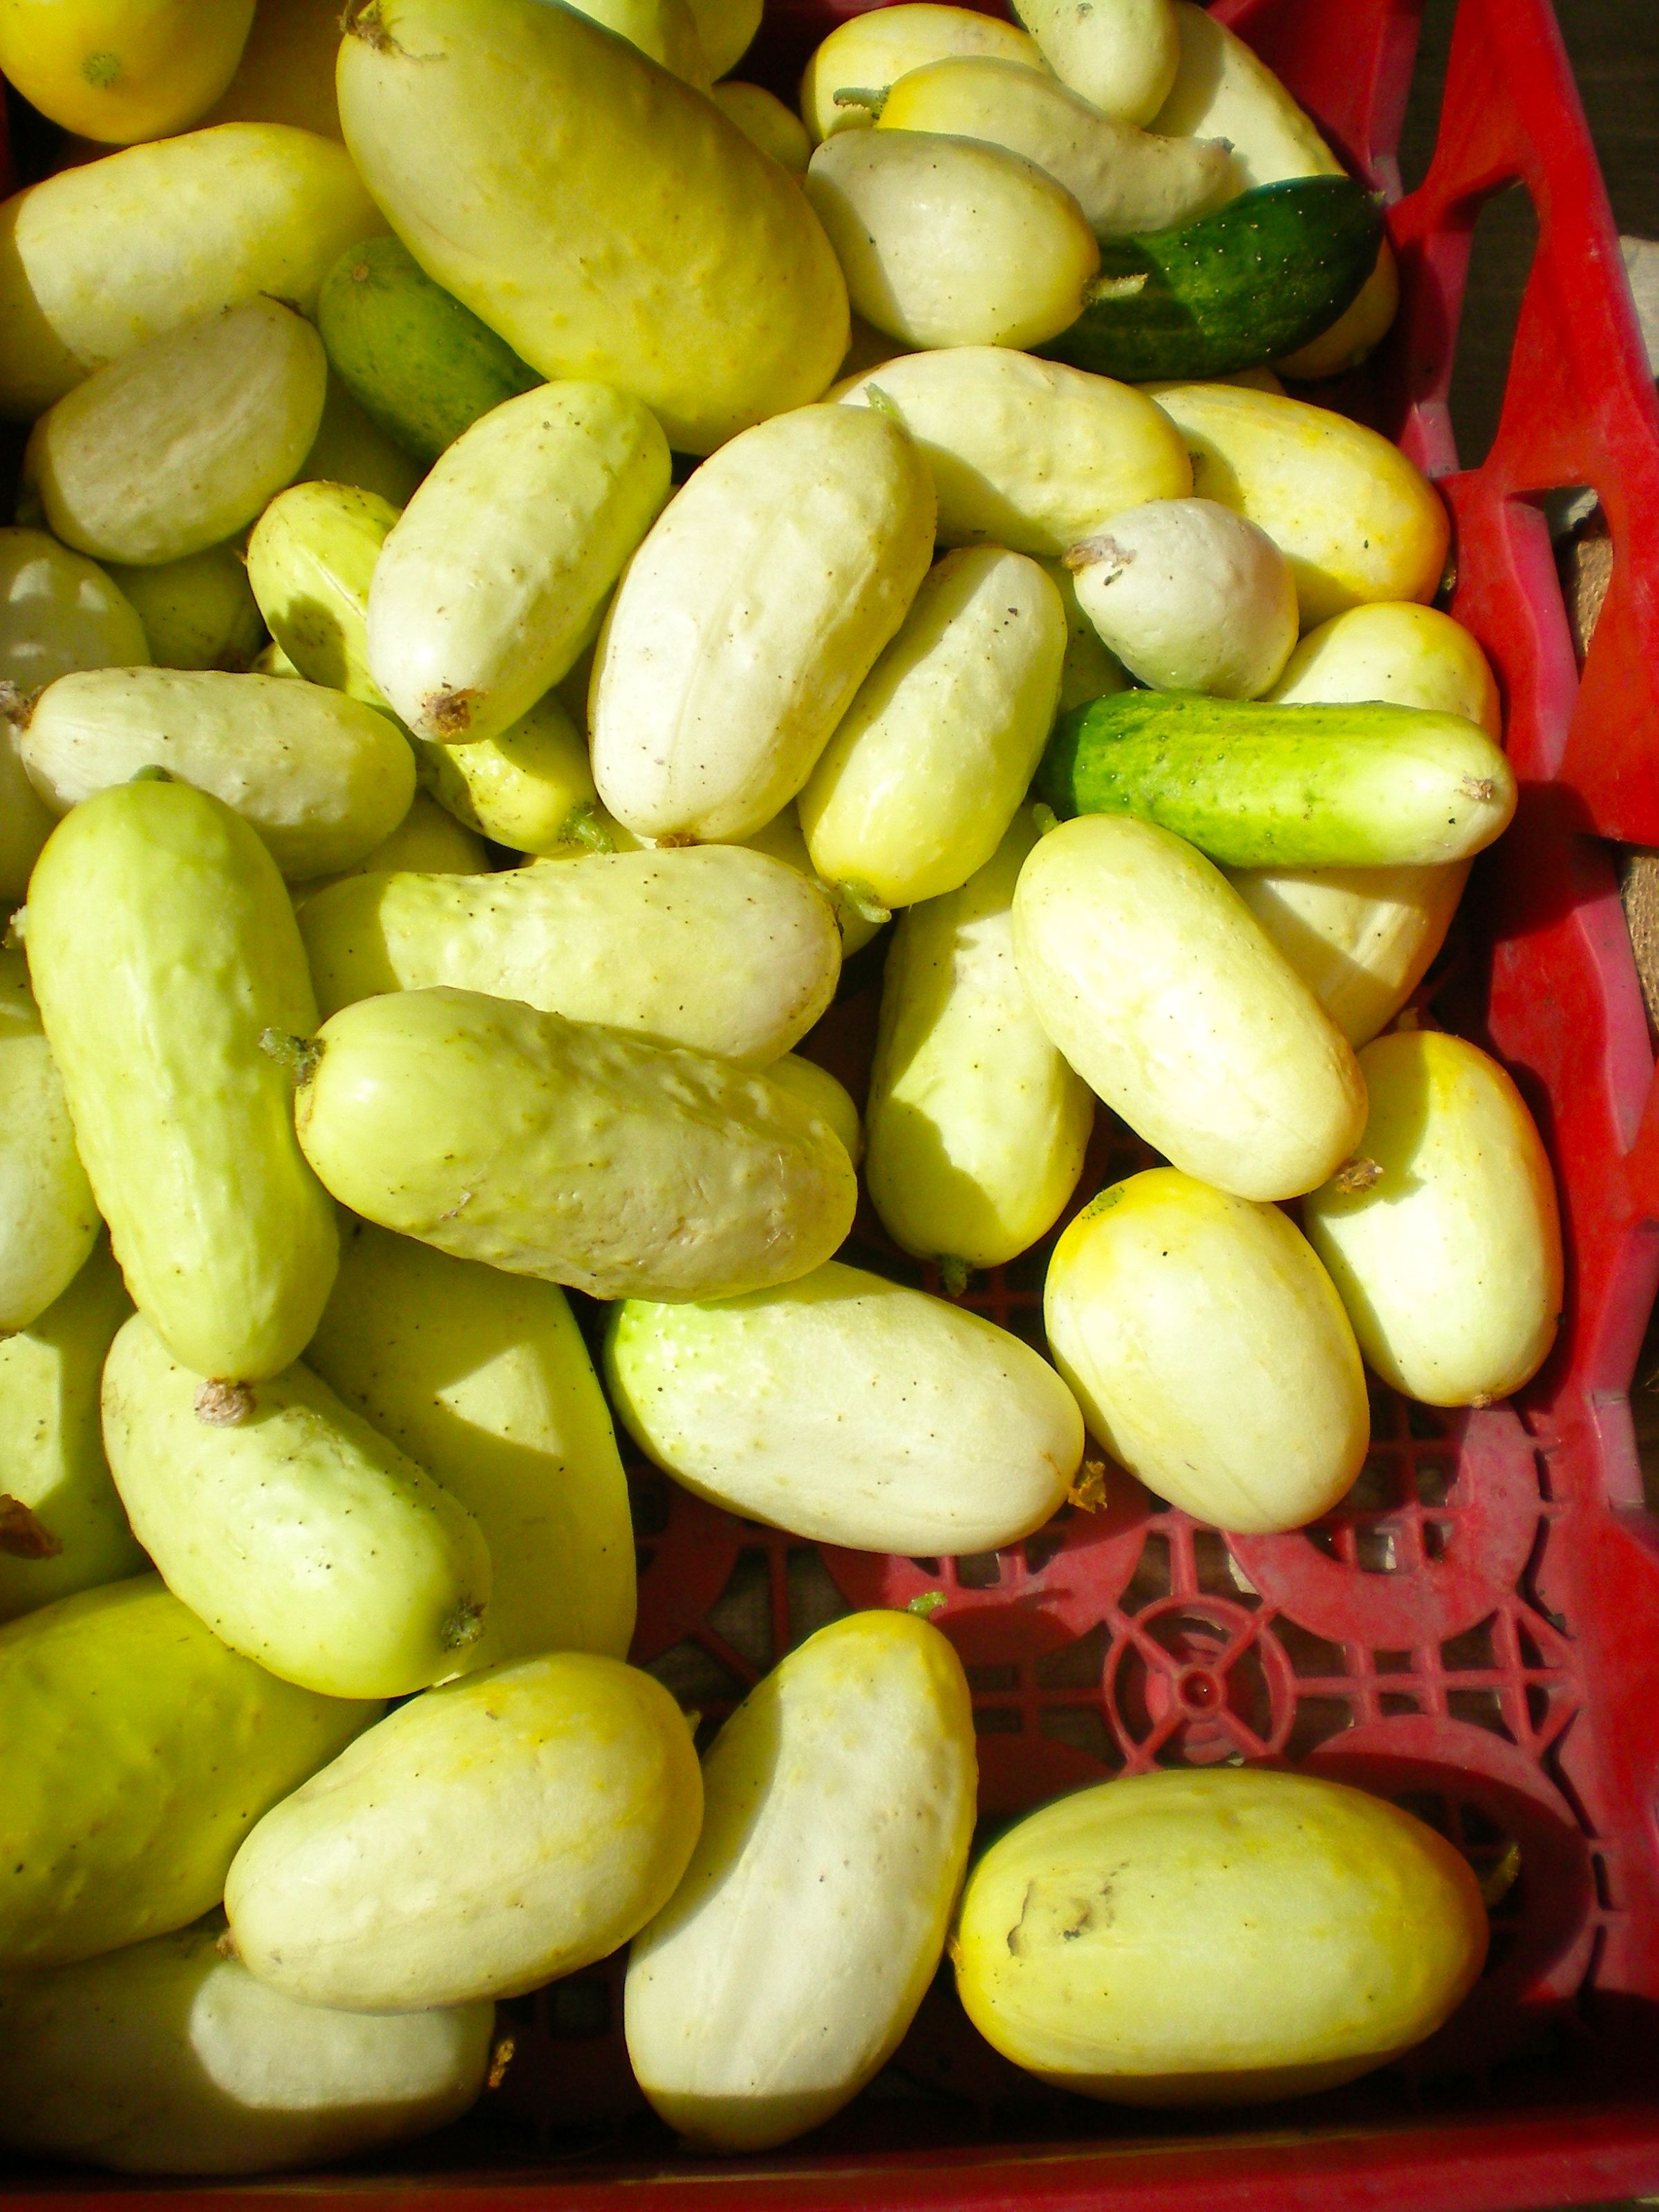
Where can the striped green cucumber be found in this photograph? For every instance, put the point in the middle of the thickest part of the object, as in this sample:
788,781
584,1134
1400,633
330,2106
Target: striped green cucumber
1256,785
421,364
1254,280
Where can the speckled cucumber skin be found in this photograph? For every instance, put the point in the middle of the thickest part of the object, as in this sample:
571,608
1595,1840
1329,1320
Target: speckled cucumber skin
162,948
138,1751
557,1149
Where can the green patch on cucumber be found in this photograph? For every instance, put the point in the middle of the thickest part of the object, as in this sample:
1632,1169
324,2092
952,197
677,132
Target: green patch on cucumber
1261,785
1233,289
414,358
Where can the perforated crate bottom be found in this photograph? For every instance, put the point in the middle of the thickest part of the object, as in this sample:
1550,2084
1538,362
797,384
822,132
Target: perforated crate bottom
1405,1642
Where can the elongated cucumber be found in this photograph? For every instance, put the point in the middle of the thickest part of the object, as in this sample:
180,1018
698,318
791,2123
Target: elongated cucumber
1255,785
1247,284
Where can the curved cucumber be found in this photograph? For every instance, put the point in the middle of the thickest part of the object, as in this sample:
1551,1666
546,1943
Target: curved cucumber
1258,786
421,364
1255,280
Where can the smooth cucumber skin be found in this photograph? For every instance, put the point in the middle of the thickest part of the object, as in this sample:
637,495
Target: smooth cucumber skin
1335,1930
1449,1261
52,1449
484,1839
138,1751
304,1538
169,2057
725,951
1256,279
310,560
684,267
977,1127
48,1222
421,364
483,1378
162,948
1257,784
569,1151
793,1957
99,259
848,1409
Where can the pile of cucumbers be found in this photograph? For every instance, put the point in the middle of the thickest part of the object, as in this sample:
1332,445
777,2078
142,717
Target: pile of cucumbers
530,556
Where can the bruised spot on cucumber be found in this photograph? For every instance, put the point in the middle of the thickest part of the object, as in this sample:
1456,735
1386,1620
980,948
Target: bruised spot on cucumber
23,1534
1244,285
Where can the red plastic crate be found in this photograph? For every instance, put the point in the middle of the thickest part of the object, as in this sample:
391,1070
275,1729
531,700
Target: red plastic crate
1476,1630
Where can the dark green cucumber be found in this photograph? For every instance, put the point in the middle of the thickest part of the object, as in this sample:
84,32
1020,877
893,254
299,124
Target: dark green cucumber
1258,786
1245,285
421,364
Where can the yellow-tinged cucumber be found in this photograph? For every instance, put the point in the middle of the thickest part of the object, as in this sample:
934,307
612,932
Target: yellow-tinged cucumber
1256,785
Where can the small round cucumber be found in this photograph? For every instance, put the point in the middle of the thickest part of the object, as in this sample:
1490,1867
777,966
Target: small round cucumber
419,362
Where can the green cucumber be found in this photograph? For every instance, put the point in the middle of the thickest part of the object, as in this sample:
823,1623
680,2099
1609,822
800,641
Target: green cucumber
416,360
1245,285
1260,785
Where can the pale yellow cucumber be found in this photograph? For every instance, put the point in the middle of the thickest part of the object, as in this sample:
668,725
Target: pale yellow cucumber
1336,1932
1123,179
322,778
350,448
302,1537
180,443
489,582
310,561
162,948
1150,974
952,241
824,1094
1121,55
429,838
62,1526
483,1378
530,787
977,1127
782,839
1362,938
169,2057
1027,453
725,30
1189,597
48,1222
767,123
483,1839
684,267
575,1154
1088,670
714,947
793,1957
870,51
1353,516
750,616
138,1751
197,612
1209,1351
120,72
848,1409
58,611
1222,90
96,261
664,30
1445,1238
1395,650
921,778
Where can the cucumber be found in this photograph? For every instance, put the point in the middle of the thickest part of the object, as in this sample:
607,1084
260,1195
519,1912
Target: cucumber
1256,279
418,363
1257,785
